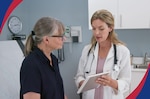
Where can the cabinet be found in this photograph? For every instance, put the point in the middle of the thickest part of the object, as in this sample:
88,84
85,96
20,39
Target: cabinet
134,14
128,14
94,5
137,76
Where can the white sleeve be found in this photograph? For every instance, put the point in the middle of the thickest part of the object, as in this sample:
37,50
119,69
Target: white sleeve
124,77
82,62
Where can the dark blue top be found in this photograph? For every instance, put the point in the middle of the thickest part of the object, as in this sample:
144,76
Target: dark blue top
37,75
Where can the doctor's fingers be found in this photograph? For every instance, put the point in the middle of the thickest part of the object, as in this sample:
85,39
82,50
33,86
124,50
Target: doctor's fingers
106,77
106,80
81,82
102,82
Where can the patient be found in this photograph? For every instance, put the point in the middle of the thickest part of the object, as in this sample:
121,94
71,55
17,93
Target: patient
40,77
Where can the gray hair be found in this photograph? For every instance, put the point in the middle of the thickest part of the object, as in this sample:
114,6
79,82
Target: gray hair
43,27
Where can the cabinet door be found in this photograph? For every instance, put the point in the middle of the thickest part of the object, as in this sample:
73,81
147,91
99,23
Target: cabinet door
137,77
110,5
134,14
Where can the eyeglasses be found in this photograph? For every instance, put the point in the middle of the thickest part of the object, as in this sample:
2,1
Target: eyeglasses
65,35
59,36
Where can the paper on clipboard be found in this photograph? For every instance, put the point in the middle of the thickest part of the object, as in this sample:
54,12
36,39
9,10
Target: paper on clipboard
90,83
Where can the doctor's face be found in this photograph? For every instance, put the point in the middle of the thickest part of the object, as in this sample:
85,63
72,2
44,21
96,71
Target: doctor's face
100,30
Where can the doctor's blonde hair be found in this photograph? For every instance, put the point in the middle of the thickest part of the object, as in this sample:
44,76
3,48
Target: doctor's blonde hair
108,18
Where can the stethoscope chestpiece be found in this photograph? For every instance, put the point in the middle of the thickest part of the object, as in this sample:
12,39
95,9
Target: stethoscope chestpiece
116,68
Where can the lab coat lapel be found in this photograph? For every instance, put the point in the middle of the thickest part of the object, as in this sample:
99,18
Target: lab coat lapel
108,65
96,52
110,53
93,57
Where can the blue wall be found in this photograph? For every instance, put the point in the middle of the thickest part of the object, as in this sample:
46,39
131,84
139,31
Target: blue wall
73,13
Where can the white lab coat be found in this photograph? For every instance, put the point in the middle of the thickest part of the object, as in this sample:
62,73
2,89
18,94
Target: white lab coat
88,64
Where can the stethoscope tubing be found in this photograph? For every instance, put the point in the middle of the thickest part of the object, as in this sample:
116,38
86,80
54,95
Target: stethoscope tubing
115,68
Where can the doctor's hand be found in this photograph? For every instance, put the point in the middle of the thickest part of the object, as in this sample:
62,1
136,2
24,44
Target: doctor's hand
106,80
65,97
81,82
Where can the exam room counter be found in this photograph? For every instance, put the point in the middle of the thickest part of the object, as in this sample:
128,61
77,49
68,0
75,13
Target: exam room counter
138,69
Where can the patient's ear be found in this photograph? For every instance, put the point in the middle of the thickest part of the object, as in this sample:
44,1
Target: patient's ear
46,39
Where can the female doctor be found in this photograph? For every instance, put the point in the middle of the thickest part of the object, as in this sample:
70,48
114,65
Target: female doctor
106,53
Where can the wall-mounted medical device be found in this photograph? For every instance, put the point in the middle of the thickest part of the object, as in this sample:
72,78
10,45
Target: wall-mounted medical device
73,34
61,55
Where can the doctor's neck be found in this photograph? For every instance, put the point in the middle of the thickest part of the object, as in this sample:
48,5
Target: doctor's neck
105,44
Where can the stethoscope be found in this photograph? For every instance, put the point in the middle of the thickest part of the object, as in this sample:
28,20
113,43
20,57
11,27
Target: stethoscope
115,67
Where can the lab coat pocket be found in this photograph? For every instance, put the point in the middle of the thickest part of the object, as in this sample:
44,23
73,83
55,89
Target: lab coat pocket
88,94
118,96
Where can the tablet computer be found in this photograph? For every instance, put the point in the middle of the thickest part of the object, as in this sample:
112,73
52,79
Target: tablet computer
90,83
